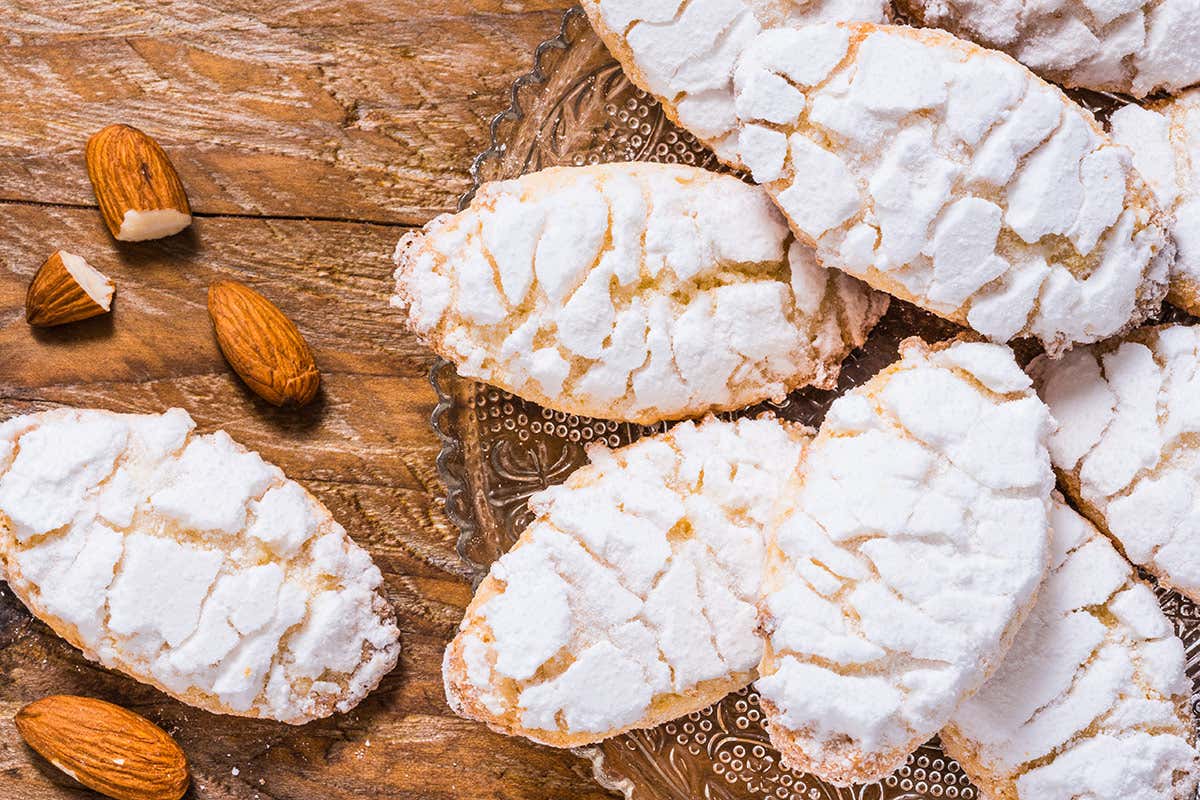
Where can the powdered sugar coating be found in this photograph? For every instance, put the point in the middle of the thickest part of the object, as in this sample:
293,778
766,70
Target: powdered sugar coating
1165,140
189,563
942,173
684,53
904,558
1092,699
1128,415
636,292
1133,46
630,599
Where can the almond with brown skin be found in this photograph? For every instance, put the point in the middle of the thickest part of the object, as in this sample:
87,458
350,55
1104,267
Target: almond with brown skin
262,345
105,747
67,289
139,192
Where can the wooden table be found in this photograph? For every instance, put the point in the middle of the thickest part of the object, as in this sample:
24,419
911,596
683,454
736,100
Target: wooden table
309,134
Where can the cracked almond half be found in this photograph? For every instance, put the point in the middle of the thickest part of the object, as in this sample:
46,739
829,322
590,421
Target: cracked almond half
105,747
139,192
67,289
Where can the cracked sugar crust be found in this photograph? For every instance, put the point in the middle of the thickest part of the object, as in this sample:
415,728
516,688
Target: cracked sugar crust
904,559
1128,444
942,173
190,564
683,51
1165,139
1133,46
636,292
630,599
1092,699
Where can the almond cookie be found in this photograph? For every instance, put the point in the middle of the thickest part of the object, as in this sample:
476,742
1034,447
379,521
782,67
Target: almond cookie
940,172
190,564
905,556
1132,46
1165,140
684,52
636,292
1092,699
1126,447
630,599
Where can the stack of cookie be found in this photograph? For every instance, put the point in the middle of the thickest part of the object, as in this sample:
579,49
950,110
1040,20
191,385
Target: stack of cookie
910,568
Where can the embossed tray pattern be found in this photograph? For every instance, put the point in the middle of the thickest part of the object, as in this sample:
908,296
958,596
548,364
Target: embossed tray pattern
576,107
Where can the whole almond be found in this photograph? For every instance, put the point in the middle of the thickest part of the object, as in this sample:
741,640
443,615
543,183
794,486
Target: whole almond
139,192
262,345
105,747
66,289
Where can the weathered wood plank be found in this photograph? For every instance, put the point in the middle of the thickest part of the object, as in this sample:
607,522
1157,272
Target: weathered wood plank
400,743
333,279
360,116
364,448
364,111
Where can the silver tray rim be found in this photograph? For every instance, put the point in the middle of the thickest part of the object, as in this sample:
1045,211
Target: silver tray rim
451,461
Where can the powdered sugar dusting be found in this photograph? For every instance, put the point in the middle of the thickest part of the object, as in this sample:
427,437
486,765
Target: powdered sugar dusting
1165,140
1128,415
1092,700
189,563
684,53
969,178
905,559
630,599
636,292
1133,46
945,174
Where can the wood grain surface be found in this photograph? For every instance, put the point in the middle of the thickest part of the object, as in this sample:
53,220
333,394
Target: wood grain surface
308,133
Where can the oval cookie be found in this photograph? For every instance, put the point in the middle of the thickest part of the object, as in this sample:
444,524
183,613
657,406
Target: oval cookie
1136,47
684,52
905,557
189,563
946,175
637,292
1165,140
1092,699
630,599
1126,447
